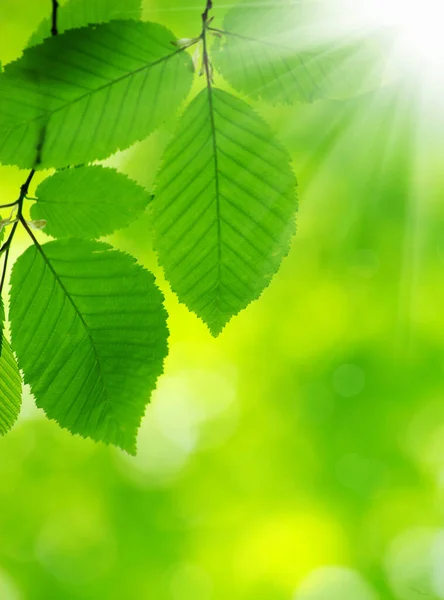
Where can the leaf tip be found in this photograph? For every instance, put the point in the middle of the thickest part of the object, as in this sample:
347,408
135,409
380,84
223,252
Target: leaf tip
216,328
131,450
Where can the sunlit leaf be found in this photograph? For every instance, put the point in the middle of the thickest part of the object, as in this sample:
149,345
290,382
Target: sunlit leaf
284,52
88,202
10,381
79,13
88,327
224,207
84,94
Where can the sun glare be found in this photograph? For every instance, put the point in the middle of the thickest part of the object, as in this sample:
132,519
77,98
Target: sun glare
417,26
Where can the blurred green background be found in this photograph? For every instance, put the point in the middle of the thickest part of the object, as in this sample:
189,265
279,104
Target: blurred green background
299,456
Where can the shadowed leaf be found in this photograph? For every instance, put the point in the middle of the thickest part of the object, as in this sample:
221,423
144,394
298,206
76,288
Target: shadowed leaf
289,51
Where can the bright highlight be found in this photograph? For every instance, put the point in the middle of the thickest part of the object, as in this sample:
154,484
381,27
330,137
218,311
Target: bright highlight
417,26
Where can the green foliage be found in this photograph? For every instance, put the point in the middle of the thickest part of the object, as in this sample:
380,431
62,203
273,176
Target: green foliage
89,330
88,202
224,207
88,324
10,381
84,94
80,13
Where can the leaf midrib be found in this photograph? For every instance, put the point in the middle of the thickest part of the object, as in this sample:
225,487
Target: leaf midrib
82,319
216,181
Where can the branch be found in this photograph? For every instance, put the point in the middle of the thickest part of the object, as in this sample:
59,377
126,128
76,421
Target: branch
7,245
9,205
5,266
55,8
206,12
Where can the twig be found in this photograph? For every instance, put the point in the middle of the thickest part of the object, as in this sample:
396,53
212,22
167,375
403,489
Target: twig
9,205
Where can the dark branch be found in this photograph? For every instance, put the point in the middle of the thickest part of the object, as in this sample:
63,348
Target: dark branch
206,12
55,8
25,187
9,205
7,245
5,266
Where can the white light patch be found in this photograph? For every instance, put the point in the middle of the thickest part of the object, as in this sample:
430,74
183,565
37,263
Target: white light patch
417,27
419,24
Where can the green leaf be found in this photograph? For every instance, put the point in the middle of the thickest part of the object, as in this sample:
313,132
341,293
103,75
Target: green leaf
89,330
79,13
283,53
224,207
88,202
85,94
10,382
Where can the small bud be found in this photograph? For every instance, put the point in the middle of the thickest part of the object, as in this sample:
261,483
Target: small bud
37,224
196,57
8,221
185,42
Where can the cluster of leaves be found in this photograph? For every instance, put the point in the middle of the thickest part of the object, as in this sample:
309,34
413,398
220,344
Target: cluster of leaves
88,325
